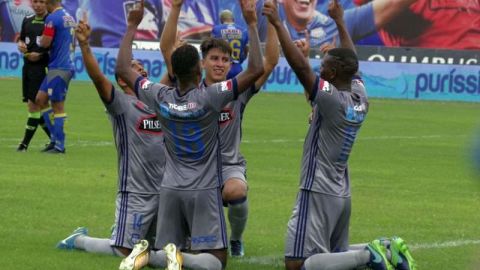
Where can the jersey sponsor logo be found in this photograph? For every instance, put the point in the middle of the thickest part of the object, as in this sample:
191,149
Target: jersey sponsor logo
27,40
144,84
226,115
325,87
226,86
68,21
183,107
149,124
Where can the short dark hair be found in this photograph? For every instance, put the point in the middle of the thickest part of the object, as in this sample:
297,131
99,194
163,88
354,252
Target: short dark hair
185,60
215,43
53,2
347,59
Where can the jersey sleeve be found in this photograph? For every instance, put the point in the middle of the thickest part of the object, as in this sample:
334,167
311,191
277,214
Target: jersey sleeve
323,95
360,21
219,94
118,102
49,29
22,30
245,97
148,92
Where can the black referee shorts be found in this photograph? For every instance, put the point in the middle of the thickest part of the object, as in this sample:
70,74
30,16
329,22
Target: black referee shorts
32,77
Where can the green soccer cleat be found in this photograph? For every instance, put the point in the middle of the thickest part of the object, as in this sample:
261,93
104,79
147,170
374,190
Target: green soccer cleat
138,258
69,242
174,257
378,255
401,257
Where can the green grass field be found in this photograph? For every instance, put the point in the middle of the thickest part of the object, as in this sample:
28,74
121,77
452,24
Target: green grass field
409,169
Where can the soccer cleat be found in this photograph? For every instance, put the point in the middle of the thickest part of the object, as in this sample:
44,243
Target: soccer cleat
48,147
55,151
236,248
22,147
174,257
138,258
401,257
69,242
378,256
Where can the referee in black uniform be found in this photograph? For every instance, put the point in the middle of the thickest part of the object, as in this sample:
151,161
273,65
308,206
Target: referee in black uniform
34,68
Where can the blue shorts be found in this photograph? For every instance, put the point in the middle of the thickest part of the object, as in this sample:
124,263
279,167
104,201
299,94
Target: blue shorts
56,84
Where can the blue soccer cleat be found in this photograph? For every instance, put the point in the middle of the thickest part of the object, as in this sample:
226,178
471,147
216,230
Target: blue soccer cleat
236,248
401,257
69,242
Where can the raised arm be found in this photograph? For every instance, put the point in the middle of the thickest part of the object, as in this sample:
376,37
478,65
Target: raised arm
169,34
385,10
272,53
124,58
255,66
295,58
103,85
335,10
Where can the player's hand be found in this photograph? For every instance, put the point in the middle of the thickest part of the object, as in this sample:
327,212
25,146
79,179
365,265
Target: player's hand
179,41
135,15
335,10
270,10
325,47
22,47
304,44
83,30
249,11
177,3
34,56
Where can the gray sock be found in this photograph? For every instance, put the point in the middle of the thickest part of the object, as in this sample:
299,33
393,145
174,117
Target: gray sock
237,216
96,245
202,261
158,259
338,261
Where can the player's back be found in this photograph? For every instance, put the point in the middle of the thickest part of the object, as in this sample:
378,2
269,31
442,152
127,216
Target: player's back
337,118
62,47
237,38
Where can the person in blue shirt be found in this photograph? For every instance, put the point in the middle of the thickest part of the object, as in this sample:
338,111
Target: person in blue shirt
237,38
58,35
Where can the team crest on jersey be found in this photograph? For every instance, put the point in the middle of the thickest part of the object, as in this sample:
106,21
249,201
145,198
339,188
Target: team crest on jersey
145,83
68,21
149,124
325,87
142,107
226,115
226,86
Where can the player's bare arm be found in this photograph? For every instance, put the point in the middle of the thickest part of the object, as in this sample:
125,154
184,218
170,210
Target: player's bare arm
124,58
272,54
386,10
102,84
169,35
255,64
295,58
335,10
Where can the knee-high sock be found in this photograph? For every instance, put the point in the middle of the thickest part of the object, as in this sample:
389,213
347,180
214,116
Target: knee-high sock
237,216
202,261
59,121
31,127
96,245
338,261
48,123
41,122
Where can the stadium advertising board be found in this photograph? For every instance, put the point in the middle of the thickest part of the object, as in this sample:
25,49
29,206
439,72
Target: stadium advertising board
421,23
383,79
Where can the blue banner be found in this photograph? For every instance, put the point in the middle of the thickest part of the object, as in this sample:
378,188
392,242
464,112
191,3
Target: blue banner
383,79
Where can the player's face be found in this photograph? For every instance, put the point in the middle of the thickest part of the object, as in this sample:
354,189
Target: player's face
217,65
39,7
328,68
138,67
299,10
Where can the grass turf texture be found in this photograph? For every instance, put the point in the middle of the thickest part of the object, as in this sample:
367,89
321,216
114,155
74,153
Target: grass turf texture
409,171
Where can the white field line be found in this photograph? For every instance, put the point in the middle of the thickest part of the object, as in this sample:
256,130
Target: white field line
277,261
86,143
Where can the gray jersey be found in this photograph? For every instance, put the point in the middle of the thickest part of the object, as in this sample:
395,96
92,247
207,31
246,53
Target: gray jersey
190,125
139,142
337,117
231,128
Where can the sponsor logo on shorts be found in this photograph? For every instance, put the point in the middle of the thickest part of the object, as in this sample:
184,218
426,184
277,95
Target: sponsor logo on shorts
204,239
